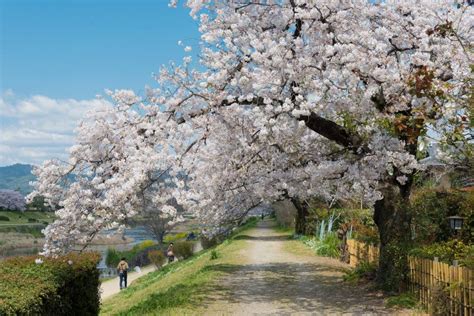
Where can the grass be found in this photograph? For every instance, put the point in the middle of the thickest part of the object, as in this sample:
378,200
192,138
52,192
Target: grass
286,230
176,289
28,217
404,300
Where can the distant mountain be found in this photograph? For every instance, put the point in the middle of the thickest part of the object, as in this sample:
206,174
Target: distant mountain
17,177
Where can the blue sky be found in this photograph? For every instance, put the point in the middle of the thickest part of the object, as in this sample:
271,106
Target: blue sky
57,55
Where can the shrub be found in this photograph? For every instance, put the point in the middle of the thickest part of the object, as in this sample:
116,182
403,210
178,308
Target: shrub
137,256
430,209
145,244
68,285
440,303
214,255
4,218
327,247
364,271
404,300
447,252
183,249
112,258
32,220
175,237
157,257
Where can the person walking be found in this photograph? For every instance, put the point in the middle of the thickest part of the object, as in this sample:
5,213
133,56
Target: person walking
122,270
170,253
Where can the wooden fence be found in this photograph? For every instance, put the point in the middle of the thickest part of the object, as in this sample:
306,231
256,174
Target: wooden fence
428,278
361,252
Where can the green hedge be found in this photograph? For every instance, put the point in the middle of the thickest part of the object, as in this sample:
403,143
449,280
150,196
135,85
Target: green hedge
68,285
447,252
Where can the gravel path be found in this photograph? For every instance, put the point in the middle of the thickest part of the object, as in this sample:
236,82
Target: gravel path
273,281
111,287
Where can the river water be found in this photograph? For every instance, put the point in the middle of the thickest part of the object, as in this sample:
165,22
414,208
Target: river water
137,234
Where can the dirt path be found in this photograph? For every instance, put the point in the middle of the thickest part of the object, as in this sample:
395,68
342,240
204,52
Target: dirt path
111,287
273,281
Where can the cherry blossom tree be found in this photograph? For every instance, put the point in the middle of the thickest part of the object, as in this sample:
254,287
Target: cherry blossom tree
12,200
296,99
367,78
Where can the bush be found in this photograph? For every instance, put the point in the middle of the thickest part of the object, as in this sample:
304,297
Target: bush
430,209
447,252
327,247
4,218
157,257
145,244
404,300
440,302
137,256
68,285
183,249
32,220
214,255
112,258
175,237
364,271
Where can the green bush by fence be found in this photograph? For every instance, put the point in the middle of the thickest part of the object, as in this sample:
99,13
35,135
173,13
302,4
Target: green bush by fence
183,249
67,285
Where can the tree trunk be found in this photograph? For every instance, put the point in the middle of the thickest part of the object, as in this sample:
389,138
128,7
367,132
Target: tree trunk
301,214
392,217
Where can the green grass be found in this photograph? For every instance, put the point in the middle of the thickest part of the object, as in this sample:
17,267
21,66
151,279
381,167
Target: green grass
177,288
23,217
404,300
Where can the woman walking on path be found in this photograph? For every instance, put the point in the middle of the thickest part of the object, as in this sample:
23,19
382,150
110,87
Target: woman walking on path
122,270
170,253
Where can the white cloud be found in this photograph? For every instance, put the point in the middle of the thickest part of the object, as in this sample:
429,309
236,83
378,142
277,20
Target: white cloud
37,128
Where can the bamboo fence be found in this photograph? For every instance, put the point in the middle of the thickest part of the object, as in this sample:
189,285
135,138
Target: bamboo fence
429,279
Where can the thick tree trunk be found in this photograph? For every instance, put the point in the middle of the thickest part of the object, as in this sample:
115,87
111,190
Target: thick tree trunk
392,216
301,214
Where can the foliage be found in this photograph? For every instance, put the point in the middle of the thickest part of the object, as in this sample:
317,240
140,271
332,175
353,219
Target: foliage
430,209
68,285
12,200
328,246
440,300
286,101
174,237
137,256
404,300
183,249
157,257
447,252
160,216
4,218
214,255
145,244
34,230
364,271
38,204
22,217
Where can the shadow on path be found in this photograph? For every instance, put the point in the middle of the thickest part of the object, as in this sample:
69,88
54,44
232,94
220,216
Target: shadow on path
262,238
291,287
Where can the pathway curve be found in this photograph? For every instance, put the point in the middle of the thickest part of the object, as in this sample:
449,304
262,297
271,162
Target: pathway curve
111,287
273,281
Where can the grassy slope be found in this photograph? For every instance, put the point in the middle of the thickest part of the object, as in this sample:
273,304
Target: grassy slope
175,289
